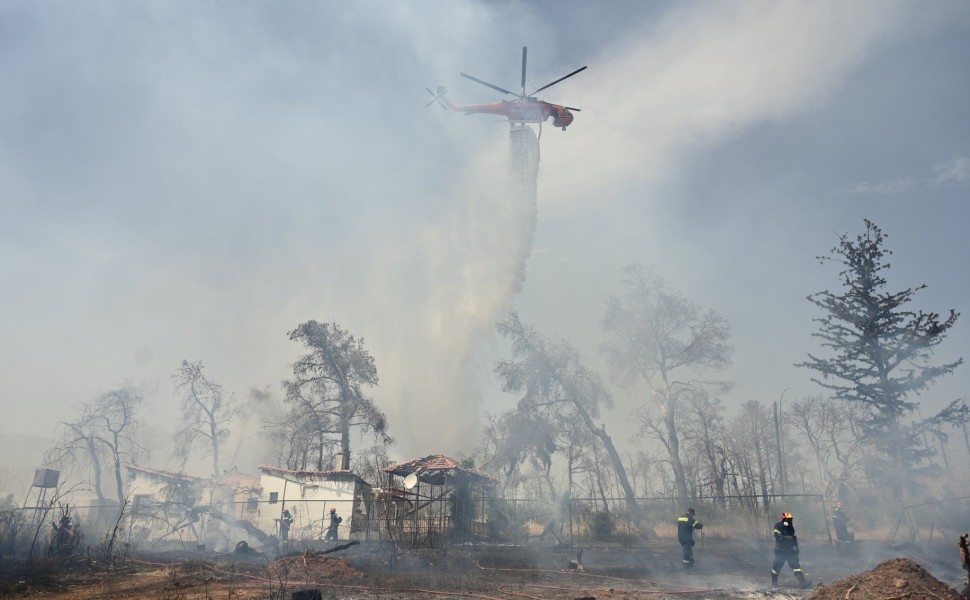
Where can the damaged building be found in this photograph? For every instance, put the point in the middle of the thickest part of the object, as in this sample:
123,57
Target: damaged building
169,508
435,499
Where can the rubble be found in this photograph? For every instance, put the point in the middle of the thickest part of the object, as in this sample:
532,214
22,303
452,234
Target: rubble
311,567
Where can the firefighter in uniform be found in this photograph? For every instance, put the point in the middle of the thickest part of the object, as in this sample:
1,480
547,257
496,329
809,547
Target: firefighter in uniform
286,520
686,524
335,521
841,522
786,550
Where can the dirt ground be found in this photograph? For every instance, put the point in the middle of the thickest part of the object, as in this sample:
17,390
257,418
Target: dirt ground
724,569
896,578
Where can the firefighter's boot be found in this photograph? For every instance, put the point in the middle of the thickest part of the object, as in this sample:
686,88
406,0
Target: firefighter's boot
801,579
774,580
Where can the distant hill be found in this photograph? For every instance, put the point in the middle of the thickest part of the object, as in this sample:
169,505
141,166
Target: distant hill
20,455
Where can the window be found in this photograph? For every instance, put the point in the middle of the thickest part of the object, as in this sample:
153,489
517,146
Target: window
274,497
141,502
252,504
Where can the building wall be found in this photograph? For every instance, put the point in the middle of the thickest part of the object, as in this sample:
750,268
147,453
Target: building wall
309,500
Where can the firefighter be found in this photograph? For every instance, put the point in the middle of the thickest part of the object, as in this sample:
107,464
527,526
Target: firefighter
334,525
686,524
840,521
786,550
286,519
60,536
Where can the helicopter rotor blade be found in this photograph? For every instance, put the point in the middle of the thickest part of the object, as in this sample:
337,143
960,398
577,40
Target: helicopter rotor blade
548,85
434,98
525,50
437,98
573,108
487,84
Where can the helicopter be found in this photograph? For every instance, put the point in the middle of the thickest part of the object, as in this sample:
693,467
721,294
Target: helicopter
526,108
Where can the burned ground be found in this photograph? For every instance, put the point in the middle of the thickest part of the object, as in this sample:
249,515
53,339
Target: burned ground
725,569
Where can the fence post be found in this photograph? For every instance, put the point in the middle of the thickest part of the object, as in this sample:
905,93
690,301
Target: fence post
825,516
570,510
515,519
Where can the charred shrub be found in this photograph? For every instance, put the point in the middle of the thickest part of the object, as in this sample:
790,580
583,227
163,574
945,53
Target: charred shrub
602,526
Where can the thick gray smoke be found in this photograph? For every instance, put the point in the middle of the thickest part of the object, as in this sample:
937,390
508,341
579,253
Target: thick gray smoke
473,267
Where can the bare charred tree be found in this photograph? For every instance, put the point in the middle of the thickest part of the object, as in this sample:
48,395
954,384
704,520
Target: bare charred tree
754,441
642,465
299,440
657,334
524,443
206,413
581,451
370,463
550,376
704,432
832,431
878,354
326,396
103,437
599,476
522,439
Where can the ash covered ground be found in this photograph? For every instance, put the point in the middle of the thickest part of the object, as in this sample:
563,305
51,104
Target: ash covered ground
724,569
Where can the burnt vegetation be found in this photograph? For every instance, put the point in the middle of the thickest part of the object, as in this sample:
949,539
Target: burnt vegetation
548,481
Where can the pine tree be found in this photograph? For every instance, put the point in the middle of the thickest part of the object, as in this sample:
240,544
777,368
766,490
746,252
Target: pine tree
879,354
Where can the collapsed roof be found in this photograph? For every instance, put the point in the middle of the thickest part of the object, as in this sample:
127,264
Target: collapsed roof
438,469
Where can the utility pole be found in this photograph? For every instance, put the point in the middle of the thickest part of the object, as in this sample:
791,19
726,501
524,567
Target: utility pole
782,478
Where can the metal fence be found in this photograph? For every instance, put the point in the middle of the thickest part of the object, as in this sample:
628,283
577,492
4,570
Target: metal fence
582,522
749,518
439,519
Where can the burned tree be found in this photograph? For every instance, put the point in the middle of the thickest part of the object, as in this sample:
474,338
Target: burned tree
552,379
325,397
518,438
705,436
103,436
206,413
656,335
832,431
878,354
523,443
752,450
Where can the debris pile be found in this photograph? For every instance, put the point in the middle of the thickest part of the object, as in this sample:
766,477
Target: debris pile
311,567
898,578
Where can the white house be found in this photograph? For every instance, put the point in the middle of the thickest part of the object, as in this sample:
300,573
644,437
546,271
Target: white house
309,496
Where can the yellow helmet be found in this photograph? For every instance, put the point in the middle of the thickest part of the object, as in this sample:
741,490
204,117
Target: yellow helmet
786,516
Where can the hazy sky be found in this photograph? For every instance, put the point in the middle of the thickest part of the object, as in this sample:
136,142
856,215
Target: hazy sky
191,180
